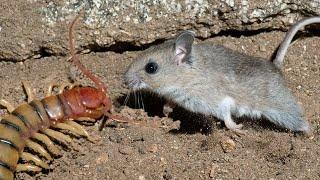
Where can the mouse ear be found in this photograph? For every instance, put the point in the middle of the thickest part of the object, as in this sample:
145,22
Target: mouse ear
183,46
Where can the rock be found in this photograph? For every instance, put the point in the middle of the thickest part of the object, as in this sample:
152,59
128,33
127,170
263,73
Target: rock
41,26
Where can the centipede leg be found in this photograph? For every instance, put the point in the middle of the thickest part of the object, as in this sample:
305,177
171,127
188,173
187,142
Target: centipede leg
61,88
29,90
50,145
86,119
39,149
60,137
27,167
7,105
29,157
64,85
80,129
50,87
69,128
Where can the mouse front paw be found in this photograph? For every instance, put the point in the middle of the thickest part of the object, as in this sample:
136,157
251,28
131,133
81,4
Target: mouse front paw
168,108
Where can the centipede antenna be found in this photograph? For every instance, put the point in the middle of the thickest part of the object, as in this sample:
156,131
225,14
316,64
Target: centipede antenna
75,60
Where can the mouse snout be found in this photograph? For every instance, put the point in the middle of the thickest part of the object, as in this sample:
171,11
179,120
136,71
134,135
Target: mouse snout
132,80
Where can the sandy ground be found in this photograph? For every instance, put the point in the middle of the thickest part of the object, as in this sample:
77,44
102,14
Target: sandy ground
162,148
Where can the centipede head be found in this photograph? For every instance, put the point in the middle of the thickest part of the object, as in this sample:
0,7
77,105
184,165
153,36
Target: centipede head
96,103
91,97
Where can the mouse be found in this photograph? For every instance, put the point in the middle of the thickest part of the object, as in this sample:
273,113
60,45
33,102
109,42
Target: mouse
216,81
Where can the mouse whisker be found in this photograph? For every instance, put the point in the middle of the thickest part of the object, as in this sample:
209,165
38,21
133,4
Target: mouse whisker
141,95
135,99
126,99
138,94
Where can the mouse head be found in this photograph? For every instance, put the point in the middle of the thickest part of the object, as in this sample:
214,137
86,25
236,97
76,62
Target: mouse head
164,66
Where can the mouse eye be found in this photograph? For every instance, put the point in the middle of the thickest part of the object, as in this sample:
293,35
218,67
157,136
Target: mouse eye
151,68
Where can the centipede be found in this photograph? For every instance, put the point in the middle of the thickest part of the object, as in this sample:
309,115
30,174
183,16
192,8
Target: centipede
31,123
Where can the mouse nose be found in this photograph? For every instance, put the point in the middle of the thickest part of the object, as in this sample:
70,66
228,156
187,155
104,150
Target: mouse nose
131,79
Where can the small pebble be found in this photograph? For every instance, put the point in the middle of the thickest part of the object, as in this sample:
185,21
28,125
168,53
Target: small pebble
299,87
262,48
142,150
102,159
126,150
153,148
115,138
213,170
228,145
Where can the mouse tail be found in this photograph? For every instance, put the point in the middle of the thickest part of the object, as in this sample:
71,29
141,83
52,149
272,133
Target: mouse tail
294,122
278,60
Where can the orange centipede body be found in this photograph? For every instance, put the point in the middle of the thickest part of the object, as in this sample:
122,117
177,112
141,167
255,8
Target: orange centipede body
38,115
33,120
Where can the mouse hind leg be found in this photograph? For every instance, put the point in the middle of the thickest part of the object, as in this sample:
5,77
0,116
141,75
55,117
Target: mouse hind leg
224,113
230,124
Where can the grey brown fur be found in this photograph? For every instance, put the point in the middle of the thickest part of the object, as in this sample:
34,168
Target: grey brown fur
214,80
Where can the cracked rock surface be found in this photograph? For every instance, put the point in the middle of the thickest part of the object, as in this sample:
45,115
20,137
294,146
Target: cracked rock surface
36,28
